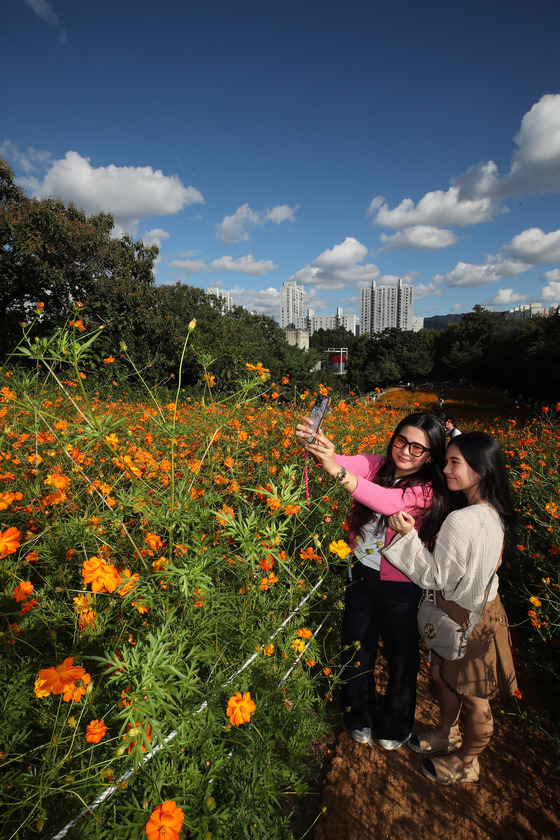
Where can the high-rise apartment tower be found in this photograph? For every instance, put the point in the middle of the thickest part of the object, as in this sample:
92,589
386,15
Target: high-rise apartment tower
386,306
292,303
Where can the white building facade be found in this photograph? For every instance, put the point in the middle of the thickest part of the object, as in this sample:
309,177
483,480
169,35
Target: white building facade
292,304
382,307
223,296
313,322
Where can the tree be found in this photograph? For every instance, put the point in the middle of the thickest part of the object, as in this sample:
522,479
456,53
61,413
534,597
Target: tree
321,339
389,357
53,253
464,349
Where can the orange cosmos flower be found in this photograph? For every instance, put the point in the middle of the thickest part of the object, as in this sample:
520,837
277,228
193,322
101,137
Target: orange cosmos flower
210,379
258,368
309,554
108,361
57,480
225,515
28,606
23,590
39,690
268,649
132,731
153,541
266,583
77,325
536,602
103,576
340,548
9,541
290,510
130,582
76,690
267,563
304,633
165,822
229,461
96,730
240,708
56,679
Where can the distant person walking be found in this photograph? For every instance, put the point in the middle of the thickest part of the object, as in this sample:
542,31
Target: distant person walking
451,431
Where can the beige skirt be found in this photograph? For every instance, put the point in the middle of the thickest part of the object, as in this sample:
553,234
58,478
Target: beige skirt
487,666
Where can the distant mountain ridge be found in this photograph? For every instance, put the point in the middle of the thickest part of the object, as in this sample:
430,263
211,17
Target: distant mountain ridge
440,322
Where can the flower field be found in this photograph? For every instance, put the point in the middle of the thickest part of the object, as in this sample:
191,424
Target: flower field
170,628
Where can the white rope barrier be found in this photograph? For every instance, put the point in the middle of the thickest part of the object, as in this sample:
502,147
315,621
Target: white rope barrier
112,788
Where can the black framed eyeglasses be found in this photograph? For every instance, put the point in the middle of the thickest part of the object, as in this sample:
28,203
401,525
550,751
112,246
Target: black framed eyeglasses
415,449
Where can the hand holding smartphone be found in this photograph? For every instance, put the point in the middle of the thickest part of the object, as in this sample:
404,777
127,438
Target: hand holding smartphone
317,415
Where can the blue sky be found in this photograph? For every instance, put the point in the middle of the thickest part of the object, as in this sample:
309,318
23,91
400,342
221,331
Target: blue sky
333,143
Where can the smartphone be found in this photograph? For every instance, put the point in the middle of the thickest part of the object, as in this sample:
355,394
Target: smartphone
317,415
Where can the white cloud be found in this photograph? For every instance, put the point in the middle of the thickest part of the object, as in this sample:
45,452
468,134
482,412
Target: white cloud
535,164
154,237
533,245
261,301
551,292
244,265
129,193
505,297
422,290
45,11
421,237
437,209
375,204
337,267
493,270
475,196
235,228
28,161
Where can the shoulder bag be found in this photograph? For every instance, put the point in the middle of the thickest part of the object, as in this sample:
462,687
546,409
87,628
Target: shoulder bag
440,632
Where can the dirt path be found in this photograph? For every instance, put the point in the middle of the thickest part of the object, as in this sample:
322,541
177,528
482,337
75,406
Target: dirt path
371,794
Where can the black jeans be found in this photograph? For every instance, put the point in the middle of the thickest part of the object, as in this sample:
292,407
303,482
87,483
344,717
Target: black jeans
373,608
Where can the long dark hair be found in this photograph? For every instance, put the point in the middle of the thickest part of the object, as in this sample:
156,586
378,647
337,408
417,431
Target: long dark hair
429,476
483,455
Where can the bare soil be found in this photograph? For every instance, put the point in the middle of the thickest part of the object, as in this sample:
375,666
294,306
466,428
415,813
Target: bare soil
371,794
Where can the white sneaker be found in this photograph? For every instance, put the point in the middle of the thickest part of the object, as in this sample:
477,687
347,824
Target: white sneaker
362,736
392,745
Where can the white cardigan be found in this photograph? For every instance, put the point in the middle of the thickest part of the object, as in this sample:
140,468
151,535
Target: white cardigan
466,554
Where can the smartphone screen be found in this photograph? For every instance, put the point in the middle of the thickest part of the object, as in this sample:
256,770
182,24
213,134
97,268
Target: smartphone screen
317,414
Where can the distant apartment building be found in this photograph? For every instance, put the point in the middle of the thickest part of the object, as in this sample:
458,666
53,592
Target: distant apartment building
527,310
292,304
223,296
313,322
382,307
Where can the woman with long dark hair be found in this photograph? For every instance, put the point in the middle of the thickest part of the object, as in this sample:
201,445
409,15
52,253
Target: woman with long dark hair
379,599
471,545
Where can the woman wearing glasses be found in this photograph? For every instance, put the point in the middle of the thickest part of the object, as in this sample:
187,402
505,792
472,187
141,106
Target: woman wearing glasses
379,599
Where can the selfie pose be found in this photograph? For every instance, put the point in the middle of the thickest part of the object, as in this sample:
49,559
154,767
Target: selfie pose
379,599
462,569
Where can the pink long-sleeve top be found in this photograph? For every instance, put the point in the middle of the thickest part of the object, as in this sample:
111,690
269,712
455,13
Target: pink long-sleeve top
383,500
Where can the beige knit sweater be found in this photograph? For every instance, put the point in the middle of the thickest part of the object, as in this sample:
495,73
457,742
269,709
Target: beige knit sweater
466,555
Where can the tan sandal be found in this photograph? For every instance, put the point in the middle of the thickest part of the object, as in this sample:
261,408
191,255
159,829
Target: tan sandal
443,771
427,743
